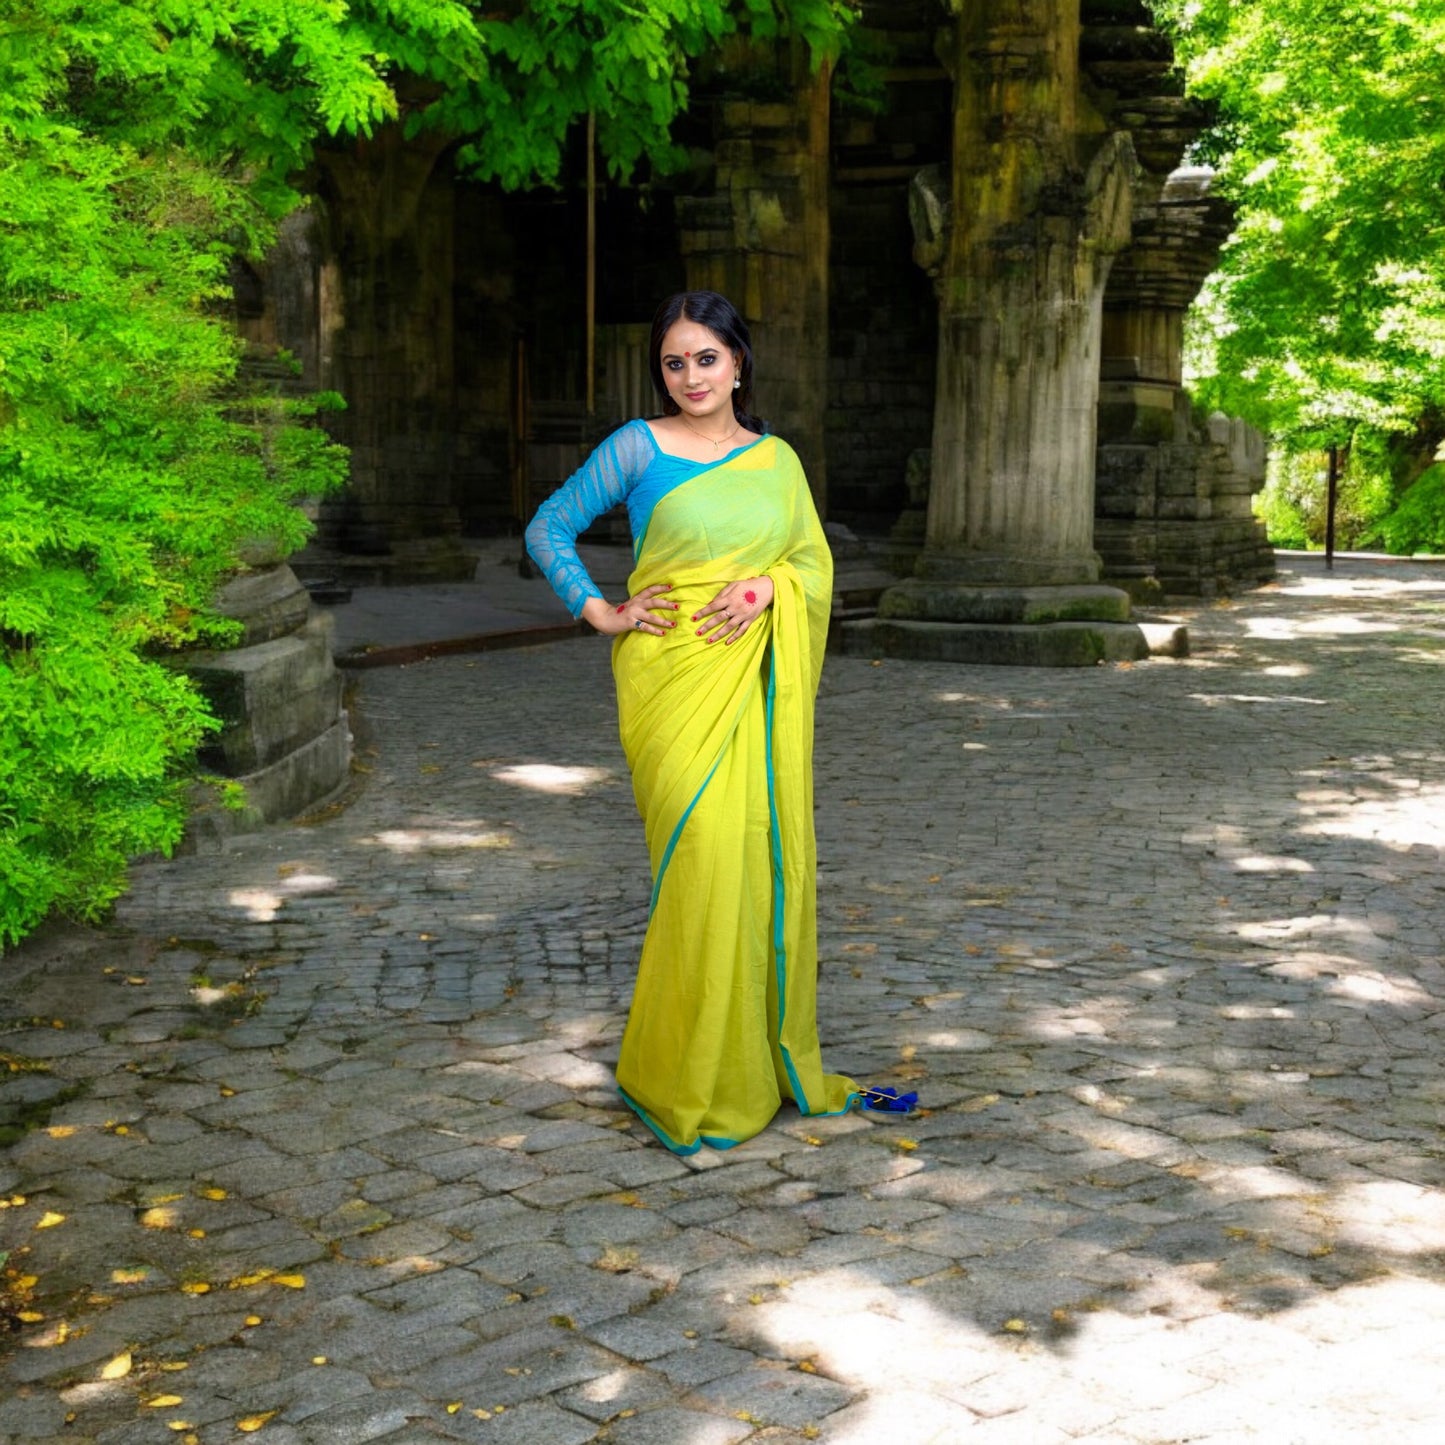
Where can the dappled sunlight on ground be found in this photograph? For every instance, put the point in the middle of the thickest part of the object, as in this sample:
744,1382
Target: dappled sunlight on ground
553,778
1414,817
431,840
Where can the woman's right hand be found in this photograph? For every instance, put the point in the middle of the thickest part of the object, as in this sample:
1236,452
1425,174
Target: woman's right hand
637,614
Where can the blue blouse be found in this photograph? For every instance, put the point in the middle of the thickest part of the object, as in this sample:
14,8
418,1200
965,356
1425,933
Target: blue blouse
629,467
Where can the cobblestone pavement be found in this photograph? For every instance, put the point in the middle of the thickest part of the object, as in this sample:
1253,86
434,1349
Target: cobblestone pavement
327,1148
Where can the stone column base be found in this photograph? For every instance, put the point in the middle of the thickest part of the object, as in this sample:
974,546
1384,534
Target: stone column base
1020,644
926,599
296,783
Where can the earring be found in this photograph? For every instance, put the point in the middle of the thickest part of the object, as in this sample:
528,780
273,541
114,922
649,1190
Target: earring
737,382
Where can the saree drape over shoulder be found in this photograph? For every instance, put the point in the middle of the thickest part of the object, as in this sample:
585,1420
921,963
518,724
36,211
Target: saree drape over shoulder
719,738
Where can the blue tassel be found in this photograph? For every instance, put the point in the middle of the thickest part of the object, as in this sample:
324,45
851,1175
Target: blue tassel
888,1101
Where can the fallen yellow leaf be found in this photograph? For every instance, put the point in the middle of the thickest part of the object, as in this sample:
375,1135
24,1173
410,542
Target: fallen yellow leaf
259,1277
227,1092
482,1414
253,1423
291,1281
907,1145
253,1319
117,1368
807,1367
196,1233
30,1317
179,1425
61,1131
454,1407
813,1140
27,1281
1016,1327
171,1366
199,1287
50,1219
129,1276
212,1193
319,1360
158,1402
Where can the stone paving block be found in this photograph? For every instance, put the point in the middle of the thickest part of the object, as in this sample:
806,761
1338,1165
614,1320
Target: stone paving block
700,1362
414,1239
359,1421
771,1230
851,1212
265,1170
671,1426
593,1223
29,1414
537,1422
639,1337
564,1189
773,1396
702,1211
401,1355
317,1390
395,1184
604,1396
893,1414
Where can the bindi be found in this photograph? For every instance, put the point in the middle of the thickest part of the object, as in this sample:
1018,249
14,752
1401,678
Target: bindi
687,353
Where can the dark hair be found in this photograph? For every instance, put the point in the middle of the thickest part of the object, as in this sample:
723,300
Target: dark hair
720,316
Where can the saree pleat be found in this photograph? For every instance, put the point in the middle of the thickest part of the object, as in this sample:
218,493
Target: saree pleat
723,1026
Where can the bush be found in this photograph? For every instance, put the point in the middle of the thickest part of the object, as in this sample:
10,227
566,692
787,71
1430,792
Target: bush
1417,524
131,472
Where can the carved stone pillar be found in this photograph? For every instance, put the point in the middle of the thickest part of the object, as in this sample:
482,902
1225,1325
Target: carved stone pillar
762,240
1040,203
1173,498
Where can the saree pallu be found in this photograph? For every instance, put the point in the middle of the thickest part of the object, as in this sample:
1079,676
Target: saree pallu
719,738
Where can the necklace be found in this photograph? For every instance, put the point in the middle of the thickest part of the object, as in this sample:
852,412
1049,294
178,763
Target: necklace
737,427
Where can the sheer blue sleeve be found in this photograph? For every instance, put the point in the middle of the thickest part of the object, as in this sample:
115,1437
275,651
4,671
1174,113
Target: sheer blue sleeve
601,482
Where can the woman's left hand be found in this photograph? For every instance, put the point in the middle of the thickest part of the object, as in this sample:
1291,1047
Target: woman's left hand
727,616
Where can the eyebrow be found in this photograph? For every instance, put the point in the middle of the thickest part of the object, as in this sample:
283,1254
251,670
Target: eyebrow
706,351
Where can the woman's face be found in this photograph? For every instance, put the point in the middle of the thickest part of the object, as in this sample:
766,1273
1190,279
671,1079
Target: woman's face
698,370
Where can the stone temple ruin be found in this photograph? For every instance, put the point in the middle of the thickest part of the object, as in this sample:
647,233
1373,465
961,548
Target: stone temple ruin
967,307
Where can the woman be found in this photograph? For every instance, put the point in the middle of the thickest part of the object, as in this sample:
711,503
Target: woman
728,551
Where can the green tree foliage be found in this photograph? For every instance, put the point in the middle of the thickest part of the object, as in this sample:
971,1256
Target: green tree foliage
1325,322
143,143
514,78
131,470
